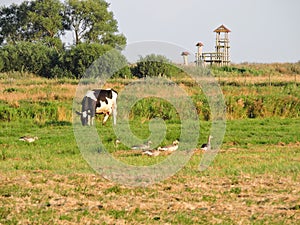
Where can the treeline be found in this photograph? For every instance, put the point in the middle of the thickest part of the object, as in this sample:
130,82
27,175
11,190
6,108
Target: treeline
45,61
31,40
31,36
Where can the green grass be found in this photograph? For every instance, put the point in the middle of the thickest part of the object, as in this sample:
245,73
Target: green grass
254,179
57,143
55,150
271,131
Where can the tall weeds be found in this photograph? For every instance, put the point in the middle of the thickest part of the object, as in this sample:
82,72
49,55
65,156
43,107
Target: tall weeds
247,90
39,112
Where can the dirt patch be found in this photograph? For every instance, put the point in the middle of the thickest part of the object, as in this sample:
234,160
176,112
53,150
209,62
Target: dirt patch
88,198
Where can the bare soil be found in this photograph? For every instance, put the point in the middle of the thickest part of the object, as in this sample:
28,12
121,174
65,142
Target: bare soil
29,197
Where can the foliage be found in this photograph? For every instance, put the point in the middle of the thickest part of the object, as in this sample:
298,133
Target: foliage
236,70
28,57
124,72
107,61
151,108
39,112
13,22
47,62
80,57
30,37
46,21
33,21
91,22
154,66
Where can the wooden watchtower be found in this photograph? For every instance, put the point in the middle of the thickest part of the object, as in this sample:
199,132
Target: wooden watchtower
221,57
222,45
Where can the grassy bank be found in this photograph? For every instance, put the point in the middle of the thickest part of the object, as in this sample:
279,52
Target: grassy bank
254,178
43,100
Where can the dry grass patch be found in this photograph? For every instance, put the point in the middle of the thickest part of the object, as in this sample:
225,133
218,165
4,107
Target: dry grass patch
80,198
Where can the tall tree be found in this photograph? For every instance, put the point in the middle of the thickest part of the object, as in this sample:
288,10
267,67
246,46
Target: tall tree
91,22
46,21
13,23
39,20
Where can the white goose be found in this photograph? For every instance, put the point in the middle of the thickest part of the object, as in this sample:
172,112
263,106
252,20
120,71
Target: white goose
28,139
143,147
169,148
117,142
207,146
152,153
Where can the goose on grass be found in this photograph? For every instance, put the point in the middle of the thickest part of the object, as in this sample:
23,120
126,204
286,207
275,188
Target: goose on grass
144,147
152,153
28,139
207,146
170,148
117,142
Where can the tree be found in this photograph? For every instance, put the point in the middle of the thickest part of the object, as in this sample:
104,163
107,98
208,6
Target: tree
28,57
40,20
81,56
13,23
91,22
111,62
46,22
30,37
154,65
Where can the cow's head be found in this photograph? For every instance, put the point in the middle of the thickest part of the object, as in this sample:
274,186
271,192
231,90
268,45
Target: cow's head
85,110
83,117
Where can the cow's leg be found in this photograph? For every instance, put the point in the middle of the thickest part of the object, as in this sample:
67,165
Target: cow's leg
89,119
92,112
105,118
107,114
114,112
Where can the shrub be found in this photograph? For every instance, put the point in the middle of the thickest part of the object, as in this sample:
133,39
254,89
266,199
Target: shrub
154,65
28,57
41,111
80,57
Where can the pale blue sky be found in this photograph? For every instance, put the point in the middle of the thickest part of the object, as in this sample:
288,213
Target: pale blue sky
262,30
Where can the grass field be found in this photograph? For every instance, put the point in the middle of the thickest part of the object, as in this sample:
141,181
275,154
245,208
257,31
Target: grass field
254,179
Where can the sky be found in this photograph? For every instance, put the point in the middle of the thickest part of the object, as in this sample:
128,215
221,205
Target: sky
263,31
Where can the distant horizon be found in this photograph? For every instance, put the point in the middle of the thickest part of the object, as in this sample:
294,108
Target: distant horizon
262,31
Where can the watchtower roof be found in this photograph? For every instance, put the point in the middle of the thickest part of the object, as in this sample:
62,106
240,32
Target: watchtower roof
185,53
222,29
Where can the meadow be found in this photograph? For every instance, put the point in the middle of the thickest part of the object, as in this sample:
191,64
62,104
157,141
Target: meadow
254,178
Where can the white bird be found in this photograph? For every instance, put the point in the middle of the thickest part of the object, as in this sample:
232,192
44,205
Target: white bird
28,139
151,153
144,147
117,142
207,146
169,148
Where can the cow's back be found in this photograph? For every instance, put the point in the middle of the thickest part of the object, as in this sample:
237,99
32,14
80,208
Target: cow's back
103,95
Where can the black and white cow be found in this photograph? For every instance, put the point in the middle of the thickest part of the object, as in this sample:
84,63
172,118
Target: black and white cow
98,101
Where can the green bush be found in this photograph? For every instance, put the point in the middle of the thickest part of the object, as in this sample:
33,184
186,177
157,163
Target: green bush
79,58
154,66
28,57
